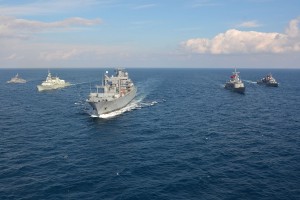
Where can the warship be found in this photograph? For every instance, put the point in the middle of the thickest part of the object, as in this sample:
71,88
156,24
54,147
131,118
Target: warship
52,83
115,93
269,80
16,79
235,83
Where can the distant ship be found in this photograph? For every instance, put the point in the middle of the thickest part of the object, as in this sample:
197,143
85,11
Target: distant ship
115,93
269,80
235,83
52,83
16,79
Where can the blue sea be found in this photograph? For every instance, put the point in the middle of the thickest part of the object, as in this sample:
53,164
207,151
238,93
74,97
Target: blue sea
183,137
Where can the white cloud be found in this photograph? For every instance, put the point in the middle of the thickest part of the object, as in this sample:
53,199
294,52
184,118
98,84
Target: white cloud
249,24
235,42
22,28
65,54
23,51
13,57
293,29
49,7
77,52
144,6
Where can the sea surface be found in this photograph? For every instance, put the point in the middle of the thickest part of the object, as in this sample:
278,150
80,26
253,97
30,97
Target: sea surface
183,137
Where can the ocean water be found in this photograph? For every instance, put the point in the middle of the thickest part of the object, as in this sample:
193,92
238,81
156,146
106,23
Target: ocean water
183,137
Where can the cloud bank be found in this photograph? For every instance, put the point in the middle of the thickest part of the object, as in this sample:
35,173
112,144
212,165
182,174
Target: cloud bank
38,7
21,28
234,41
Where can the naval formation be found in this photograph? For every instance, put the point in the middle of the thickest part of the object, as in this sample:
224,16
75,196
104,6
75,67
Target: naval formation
118,90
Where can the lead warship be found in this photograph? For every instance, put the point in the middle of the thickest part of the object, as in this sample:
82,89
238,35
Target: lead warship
114,93
235,83
52,83
269,80
16,79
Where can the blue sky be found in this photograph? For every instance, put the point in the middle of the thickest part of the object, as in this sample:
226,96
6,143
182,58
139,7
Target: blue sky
145,33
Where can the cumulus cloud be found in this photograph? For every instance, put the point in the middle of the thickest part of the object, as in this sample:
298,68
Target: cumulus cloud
235,41
293,29
22,28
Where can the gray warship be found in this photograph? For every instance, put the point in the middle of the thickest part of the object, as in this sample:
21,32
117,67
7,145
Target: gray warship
52,83
235,83
16,79
115,93
269,80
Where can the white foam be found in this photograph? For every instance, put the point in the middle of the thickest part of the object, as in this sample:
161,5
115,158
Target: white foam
94,116
134,105
127,108
148,103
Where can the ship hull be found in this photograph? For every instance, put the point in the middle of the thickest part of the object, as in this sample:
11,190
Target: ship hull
272,84
53,87
268,84
231,87
19,81
104,107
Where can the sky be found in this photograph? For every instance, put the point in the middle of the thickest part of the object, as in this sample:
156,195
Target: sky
150,33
